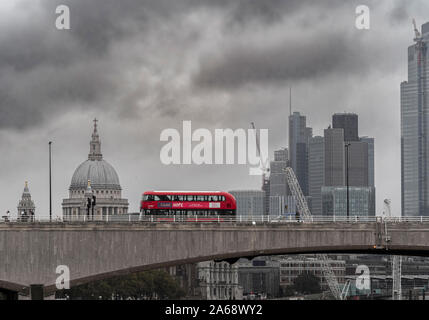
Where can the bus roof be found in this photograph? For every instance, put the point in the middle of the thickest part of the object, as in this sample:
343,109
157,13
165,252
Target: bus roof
180,191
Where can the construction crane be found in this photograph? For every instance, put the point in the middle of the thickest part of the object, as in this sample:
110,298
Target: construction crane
346,288
264,168
416,31
301,203
396,262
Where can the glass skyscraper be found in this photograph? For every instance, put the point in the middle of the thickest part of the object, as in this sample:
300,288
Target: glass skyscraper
278,184
371,155
316,173
349,123
415,129
331,197
299,135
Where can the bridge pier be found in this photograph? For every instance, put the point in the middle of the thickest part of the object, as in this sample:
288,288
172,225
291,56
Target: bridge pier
36,291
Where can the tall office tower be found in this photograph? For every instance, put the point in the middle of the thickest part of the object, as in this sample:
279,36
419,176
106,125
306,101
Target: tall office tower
278,183
371,155
357,154
299,135
360,169
316,172
349,123
415,129
358,150
358,164
334,157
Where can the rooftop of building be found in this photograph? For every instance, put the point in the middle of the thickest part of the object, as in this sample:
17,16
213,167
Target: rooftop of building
425,28
345,114
246,191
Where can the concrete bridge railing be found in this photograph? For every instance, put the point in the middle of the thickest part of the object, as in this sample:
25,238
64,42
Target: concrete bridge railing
136,217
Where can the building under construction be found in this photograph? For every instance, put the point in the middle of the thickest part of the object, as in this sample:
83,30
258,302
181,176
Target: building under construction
415,128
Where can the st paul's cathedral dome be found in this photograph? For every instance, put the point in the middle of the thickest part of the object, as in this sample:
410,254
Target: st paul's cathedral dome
97,178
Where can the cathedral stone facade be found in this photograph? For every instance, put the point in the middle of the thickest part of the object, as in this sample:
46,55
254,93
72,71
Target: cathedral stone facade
95,177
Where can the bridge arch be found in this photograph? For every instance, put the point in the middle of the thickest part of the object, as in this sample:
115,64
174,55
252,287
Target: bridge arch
231,258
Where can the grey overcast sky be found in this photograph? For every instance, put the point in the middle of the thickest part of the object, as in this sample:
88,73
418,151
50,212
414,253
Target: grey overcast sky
143,66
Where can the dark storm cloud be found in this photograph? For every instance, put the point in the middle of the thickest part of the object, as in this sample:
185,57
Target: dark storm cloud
268,11
44,71
312,50
97,23
26,99
309,58
246,11
400,12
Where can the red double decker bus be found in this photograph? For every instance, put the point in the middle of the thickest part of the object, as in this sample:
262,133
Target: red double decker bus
188,203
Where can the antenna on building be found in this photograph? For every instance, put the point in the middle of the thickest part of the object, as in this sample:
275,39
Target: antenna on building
290,101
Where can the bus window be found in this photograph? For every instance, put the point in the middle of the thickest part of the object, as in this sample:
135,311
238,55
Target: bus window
200,198
150,197
180,198
190,198
162,197
215,198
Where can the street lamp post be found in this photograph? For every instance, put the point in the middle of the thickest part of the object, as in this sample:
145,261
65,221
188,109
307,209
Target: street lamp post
93,203
347,145
50,183
88,207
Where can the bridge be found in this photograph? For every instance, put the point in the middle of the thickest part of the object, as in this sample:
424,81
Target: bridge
93,250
